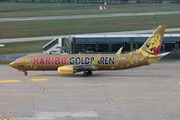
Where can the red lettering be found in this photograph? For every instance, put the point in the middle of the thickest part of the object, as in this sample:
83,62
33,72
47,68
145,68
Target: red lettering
63,60
57,60
41,61
48,61
35,61
52,61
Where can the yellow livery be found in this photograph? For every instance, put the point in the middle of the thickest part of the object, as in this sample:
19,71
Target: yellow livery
86,63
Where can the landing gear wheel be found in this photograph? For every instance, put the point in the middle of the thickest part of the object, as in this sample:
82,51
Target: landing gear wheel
89,72
25,73
85,74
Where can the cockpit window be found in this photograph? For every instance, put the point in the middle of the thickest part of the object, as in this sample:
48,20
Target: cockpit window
17,60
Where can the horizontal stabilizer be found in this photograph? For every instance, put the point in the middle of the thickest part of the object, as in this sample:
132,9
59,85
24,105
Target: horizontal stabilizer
160,55
163,54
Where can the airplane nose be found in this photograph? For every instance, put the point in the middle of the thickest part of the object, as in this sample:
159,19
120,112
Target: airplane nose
11,64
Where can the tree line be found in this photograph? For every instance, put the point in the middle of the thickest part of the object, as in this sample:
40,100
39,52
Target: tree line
66,1
87,1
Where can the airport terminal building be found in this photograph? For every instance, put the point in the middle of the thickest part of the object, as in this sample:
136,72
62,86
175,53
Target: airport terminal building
90,44
112,43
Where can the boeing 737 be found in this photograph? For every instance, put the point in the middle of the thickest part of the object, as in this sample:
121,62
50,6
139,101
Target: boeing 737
86,63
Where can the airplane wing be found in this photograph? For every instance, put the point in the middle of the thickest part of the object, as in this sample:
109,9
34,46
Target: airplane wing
119,51
82,67
95,62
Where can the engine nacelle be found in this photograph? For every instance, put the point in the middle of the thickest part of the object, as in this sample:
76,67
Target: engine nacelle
65,70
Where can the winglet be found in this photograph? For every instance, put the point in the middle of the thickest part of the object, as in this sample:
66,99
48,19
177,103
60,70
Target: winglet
95,62
119,51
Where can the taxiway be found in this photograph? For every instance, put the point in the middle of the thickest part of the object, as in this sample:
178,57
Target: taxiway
144,93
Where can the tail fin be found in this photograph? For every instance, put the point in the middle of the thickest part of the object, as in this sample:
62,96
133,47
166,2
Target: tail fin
152,46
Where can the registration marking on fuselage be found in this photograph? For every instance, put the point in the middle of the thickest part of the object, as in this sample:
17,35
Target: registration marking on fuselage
9,81
38,79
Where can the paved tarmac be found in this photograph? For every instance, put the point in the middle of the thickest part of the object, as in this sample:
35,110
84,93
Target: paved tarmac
87,16
144,93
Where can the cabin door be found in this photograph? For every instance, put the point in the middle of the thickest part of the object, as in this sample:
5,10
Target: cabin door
28,62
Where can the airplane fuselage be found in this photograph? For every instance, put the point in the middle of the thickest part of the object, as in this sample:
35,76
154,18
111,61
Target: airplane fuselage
105,62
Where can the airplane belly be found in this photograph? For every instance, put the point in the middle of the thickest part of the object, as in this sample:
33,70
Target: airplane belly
43,68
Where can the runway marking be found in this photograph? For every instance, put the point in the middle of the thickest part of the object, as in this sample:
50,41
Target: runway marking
60,114
9,81
39,79
178,82
2,118
28,97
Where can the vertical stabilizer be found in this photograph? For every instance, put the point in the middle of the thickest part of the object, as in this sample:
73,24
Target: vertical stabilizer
152,46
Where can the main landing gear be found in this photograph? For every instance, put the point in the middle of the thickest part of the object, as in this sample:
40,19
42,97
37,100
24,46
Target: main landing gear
86,73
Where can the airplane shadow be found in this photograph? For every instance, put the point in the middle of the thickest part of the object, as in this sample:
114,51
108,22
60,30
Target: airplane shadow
104,75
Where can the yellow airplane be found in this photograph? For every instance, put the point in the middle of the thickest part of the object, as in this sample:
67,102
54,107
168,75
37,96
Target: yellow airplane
72,63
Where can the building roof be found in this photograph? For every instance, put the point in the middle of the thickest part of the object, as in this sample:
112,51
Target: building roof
120,38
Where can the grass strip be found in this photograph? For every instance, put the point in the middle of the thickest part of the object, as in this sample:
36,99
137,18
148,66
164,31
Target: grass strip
81,26
5,62
58,9
15,6
23,47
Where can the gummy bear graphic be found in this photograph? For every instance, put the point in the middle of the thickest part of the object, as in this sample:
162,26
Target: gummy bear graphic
153,46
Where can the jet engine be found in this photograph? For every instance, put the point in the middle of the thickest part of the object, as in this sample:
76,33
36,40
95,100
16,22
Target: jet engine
65,70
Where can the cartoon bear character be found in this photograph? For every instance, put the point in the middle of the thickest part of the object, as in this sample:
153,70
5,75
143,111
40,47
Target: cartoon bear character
153,45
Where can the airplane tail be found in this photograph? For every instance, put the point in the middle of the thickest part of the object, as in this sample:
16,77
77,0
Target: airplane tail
152,46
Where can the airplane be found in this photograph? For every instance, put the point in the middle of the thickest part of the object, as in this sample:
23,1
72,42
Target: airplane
69,64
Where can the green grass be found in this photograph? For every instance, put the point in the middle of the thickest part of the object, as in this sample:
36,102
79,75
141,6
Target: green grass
29,6
61,9
169,60
76,26
23,47
80,26
5,62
